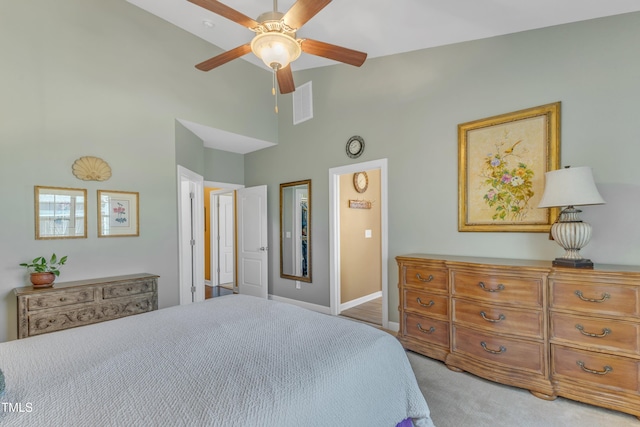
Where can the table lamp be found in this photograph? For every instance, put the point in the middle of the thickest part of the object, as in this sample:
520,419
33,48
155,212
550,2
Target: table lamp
570,187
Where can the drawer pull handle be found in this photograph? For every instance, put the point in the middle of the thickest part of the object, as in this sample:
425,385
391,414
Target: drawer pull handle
427,280
605,332
484,287
607,369
426,331
605,297
488,350
423,304
484,316
62,299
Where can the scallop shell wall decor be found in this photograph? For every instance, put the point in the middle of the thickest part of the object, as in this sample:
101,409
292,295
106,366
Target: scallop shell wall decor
89,168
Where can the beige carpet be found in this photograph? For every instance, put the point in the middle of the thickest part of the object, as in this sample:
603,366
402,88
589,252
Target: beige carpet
461,399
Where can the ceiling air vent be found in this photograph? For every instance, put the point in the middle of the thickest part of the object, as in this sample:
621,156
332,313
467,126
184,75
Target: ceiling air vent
302,103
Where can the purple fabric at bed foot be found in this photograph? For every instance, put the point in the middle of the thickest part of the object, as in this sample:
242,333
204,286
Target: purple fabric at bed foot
405,423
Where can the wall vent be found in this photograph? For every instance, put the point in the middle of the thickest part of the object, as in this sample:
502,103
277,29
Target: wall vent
302,103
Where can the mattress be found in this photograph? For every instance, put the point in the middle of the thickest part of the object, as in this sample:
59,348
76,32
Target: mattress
229,361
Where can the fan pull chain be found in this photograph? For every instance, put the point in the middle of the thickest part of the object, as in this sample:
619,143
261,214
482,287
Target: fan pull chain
274,92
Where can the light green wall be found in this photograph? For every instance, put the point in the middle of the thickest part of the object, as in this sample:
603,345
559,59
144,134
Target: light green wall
106,79
223,166
189,150
407,108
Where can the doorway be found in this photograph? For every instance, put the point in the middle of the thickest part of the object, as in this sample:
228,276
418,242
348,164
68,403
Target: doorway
251,266
336,204
190,228
247,261
219,240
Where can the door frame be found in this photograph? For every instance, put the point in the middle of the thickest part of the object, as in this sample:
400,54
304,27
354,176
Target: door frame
334,233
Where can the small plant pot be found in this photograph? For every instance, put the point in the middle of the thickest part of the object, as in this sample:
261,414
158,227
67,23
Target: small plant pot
42,280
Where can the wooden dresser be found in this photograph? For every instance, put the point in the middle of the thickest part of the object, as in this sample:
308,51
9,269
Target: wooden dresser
70,304
595,336
554,331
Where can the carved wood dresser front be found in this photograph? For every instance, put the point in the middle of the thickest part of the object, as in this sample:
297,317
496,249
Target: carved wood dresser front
70,304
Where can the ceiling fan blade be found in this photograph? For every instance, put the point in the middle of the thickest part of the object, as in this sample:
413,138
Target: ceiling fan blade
223,58
285,80
302,11
227,12
330,51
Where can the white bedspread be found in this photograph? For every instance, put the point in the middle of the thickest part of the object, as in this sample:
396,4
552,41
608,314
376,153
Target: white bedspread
229,361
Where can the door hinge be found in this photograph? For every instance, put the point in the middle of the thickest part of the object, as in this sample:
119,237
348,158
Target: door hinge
192,242
193,289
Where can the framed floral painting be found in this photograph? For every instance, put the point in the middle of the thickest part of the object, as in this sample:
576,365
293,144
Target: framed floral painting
501,165
118,214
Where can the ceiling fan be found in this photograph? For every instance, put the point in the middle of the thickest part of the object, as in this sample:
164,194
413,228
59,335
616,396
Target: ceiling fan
275,41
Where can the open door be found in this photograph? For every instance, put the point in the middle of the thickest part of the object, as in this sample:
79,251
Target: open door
190,235
252,249
223,239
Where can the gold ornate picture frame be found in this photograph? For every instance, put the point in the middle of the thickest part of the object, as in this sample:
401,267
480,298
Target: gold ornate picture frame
501,165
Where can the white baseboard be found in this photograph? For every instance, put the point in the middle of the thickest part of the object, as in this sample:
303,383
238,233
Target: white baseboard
393,326
307,305
355,302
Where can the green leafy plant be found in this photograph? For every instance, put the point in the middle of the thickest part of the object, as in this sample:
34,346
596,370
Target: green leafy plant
41,265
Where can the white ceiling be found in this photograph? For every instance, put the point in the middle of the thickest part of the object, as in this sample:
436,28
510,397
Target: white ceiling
383,28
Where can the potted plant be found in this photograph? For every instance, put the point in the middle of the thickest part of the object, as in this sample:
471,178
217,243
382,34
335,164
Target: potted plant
43,272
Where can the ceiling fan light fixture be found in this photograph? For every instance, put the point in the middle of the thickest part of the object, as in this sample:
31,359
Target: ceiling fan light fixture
275,49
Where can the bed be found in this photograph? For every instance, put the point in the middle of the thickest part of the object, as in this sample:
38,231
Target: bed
229,361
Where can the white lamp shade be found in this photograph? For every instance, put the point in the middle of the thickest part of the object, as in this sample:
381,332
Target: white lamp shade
570,187
276,50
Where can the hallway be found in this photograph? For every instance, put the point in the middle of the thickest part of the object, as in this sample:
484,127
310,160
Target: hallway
368,312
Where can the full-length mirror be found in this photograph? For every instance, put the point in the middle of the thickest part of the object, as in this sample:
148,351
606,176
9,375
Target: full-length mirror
295,230
60,213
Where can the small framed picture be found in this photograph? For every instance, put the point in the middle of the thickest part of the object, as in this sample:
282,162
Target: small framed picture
118,214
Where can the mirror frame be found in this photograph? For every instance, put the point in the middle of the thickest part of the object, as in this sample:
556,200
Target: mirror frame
71,192
284,186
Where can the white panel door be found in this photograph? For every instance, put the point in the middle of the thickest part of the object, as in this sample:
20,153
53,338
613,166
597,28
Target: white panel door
226,235
253,265
191,235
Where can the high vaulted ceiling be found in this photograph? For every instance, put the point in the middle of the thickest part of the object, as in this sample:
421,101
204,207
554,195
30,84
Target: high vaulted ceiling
383,28
377,27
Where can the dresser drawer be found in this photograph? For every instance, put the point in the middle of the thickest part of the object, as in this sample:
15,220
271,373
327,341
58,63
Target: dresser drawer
60,298
598,369
525,323
592,332
511,353
426,304
42,322
426,329
426,277
127,288
505,289
609,299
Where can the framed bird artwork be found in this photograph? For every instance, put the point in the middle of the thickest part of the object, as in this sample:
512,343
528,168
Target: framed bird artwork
501,165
